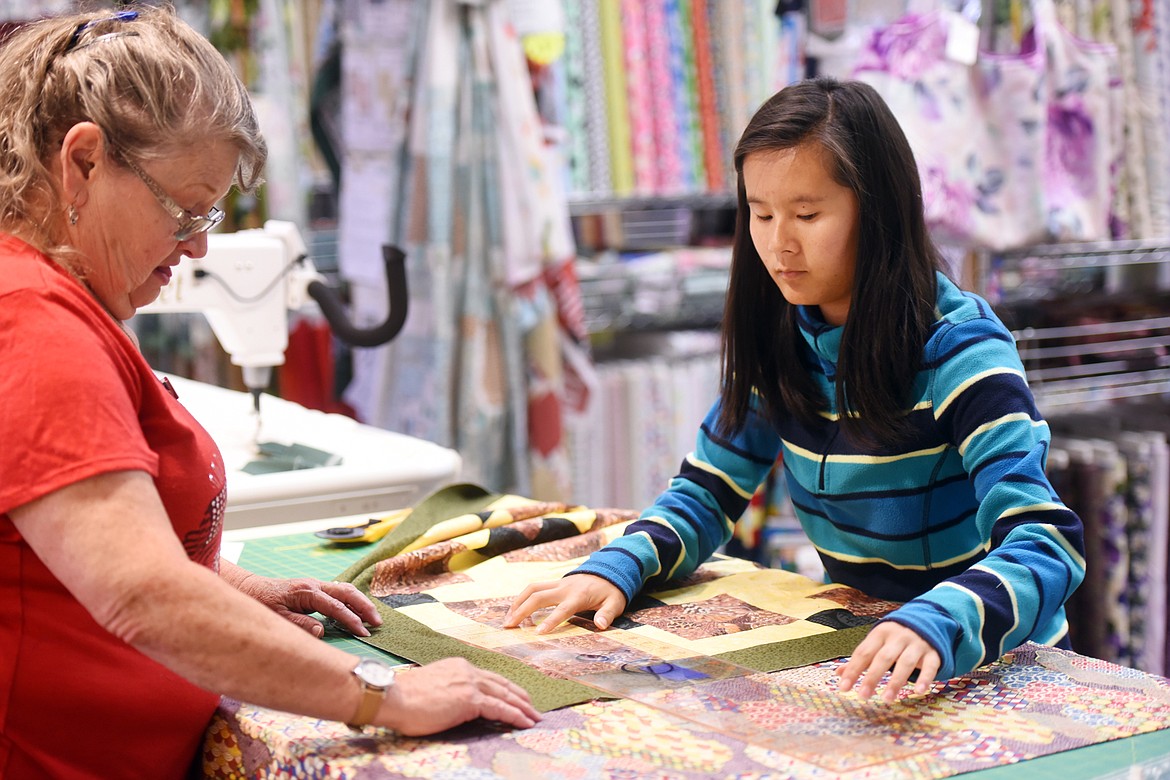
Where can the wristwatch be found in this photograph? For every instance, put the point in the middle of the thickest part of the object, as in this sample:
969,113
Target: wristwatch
375,677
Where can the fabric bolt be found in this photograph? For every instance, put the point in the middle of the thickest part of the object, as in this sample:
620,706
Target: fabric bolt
676,35
1114,523
1087,607
661,453
755,65
792,44
1137,453
697,178
733,63
721,31
768,72
1161,55
581,435
1159,618
1157,641
705,75
1118,613
991,561
81,401
641,425
645,446
620,459
597,113
668,174
1151,85
621,163
1085,144
576,125
1133,139
639,103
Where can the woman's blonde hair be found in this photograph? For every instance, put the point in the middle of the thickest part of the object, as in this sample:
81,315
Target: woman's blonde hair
155,87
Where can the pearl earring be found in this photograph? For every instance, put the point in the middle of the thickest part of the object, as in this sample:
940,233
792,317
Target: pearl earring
72,215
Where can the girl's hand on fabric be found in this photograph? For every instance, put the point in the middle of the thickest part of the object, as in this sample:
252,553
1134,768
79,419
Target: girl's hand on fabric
890,647
573,594
295,600
445,693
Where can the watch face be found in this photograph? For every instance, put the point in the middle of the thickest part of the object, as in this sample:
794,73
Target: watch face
375,672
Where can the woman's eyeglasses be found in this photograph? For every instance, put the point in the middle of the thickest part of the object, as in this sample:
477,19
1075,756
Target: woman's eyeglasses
189,224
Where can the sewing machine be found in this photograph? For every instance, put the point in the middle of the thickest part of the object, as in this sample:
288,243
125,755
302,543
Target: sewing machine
246,285
248,282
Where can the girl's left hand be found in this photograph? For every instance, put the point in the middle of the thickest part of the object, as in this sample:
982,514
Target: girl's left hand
890,647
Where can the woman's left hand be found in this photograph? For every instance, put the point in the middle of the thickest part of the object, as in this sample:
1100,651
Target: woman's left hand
890,647
295,599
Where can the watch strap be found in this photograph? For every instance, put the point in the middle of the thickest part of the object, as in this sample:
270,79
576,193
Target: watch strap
367,708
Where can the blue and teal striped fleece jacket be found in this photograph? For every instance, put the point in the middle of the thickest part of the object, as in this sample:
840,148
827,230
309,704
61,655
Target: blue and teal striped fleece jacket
959,521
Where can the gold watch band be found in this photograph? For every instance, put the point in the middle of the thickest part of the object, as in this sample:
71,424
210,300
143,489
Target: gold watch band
368,706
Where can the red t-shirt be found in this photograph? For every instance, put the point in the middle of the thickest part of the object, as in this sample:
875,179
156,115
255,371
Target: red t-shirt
77,399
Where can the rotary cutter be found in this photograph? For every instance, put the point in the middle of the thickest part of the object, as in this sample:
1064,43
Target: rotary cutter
364,533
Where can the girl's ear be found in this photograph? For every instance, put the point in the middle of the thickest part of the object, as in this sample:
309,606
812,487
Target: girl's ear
82,150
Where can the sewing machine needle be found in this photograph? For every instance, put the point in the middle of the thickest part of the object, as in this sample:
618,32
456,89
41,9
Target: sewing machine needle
256,411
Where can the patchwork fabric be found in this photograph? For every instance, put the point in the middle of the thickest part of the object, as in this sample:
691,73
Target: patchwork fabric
1033,702
446,583
680,688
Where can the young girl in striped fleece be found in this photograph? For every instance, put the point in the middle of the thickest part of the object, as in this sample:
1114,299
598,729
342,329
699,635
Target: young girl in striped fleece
911,444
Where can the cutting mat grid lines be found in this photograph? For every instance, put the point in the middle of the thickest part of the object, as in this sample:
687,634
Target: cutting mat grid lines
303,555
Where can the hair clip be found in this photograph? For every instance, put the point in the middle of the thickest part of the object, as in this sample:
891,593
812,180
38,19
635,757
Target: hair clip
121,16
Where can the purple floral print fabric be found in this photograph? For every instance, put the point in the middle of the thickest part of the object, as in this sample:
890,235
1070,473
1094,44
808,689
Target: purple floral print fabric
1014,150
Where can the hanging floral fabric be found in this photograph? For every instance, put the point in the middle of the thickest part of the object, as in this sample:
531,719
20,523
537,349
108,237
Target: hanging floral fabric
1013,149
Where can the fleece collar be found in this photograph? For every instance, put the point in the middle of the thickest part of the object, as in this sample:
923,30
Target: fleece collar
824,339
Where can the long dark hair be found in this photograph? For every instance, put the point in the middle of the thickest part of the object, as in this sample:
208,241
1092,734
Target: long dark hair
894,286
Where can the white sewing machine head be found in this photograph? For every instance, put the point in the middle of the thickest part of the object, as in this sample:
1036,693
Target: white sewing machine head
248,282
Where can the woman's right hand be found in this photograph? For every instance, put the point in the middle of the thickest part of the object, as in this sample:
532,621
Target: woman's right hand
573,594
443,694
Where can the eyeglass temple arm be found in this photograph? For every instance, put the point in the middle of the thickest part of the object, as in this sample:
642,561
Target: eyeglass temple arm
338,317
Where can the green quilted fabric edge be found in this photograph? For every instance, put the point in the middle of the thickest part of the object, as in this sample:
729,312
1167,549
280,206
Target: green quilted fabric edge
798,652
407,638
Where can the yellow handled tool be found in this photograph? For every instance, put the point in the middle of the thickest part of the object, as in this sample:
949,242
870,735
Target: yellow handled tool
366,533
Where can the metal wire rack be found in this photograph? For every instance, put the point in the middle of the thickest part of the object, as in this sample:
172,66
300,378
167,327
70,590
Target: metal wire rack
670,290
1111,340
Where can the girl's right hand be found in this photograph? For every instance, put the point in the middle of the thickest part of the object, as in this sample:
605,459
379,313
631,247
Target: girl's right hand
573,594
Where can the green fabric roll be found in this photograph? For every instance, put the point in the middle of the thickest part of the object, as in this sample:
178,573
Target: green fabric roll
445,503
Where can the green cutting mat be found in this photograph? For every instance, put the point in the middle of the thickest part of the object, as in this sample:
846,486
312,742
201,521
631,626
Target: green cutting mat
304,555
1144,757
